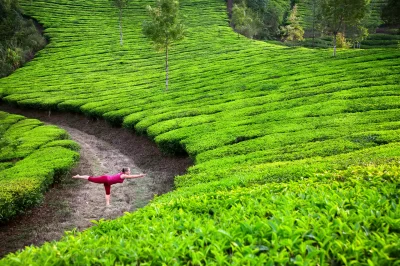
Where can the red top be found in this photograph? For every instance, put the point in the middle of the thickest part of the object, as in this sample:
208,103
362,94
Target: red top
113,179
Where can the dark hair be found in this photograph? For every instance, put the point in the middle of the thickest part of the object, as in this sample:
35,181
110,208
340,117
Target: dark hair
125,169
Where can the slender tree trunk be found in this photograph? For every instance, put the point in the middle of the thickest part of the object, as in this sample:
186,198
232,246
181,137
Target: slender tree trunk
120,27
344,34
166,66
313,26
334,44
229,7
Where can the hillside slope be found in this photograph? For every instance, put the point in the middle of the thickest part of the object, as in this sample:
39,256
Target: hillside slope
296,152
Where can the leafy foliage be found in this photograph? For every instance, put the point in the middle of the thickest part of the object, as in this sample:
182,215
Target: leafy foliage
391,12
245,20
336,217
354,35
120,4
338,13
260,18
273,131
19,37
293,31
32,157
165,27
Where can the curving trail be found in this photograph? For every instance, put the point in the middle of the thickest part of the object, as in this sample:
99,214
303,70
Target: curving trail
74,203
100,157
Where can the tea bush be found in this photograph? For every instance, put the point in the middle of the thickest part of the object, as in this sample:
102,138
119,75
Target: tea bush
296,152
32,155
339,217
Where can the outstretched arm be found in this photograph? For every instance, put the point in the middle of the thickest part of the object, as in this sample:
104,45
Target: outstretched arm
132,176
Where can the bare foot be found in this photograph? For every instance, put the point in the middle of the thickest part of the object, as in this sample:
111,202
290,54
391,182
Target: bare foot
75,176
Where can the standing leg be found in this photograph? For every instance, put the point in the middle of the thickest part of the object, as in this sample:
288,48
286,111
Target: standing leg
108,192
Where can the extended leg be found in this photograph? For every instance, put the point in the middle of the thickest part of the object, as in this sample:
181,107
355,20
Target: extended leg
81,176
98,179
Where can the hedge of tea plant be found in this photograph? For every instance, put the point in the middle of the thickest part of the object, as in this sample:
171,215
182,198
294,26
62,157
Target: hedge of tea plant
273,132
341,217
32,155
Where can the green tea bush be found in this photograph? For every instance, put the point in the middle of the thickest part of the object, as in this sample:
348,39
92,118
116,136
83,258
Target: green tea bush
339,217
33,155
271,130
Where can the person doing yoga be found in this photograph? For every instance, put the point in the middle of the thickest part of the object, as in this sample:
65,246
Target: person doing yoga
109,180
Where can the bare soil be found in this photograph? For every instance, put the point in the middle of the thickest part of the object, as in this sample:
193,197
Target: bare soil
73,203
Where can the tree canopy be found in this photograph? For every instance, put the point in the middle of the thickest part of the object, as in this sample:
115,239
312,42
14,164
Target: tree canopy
245,20
391,12
19,37
293,31
164,28
336,14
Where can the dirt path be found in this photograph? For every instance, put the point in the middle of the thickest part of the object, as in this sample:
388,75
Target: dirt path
100,157
74,203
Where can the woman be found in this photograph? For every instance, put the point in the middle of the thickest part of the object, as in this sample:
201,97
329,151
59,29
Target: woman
109,180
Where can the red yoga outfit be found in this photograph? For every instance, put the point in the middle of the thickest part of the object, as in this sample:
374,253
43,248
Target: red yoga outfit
107,180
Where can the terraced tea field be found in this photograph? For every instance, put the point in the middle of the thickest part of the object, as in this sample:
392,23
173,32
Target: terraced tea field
296,152
32,156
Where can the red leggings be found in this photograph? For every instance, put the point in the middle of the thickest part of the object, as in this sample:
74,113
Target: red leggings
101,179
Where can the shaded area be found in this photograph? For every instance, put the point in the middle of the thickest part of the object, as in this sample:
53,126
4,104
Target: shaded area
74,203
22,38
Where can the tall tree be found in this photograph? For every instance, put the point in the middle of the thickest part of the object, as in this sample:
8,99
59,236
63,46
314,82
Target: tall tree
9,13
356,34
271,14
164,28
229,7
338,13
245,20
391,12
293,31
120,4
314,21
